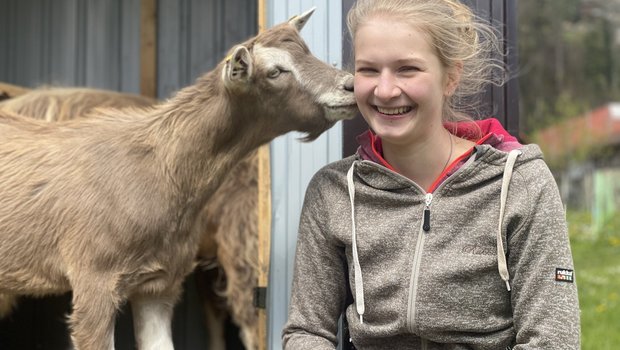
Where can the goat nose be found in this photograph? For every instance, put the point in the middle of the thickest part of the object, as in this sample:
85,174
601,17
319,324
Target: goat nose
348,83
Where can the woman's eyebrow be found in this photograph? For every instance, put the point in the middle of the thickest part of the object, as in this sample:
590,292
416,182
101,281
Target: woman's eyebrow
402,61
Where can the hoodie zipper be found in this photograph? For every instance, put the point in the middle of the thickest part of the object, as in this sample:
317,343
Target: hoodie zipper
417,261
426,222
413,285
417,254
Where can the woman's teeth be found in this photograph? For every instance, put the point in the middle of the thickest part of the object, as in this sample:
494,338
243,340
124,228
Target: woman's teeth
393,111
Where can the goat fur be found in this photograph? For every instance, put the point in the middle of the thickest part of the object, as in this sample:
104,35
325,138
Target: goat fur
54,104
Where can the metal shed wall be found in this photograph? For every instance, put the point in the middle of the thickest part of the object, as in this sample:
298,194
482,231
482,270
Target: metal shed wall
71,42
293,163
194,35
96,43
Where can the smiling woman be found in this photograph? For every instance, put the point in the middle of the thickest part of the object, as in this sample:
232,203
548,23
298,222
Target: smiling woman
426,184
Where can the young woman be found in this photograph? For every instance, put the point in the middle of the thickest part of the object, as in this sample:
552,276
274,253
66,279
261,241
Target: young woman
448,232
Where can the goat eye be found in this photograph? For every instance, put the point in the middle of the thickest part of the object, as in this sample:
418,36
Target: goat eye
274,73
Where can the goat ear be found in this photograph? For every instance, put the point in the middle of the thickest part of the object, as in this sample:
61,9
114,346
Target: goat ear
238,68
299,21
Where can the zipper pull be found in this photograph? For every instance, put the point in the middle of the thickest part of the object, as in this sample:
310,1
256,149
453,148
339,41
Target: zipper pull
426,226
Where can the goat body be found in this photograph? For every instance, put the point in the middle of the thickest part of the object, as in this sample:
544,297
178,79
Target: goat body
105,206
227,224
55,104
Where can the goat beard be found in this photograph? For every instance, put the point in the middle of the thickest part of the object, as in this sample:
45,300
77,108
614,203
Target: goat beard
314,134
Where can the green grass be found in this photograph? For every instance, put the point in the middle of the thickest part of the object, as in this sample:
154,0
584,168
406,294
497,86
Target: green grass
597,269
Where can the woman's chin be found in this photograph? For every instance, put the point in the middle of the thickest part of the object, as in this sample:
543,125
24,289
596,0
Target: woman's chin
390,134
393,126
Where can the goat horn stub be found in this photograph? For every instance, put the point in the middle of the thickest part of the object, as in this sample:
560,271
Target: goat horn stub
299,21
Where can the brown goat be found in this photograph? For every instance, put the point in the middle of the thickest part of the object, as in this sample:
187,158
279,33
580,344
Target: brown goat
227,225
105,206
59,104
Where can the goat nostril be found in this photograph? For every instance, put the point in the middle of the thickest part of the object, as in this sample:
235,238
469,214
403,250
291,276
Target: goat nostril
348,85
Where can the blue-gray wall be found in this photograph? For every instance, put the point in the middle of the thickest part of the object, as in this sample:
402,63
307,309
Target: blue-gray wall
71,42
293,163
194,35
96,43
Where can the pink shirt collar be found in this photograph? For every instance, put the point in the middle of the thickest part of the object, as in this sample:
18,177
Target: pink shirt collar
491,130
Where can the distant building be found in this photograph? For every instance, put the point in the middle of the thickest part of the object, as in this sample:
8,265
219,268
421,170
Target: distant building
584,155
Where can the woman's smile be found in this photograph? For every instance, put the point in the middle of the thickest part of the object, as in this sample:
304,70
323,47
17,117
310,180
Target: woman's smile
393,111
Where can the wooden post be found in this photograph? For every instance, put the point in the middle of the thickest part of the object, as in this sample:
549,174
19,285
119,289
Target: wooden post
264,213
148,48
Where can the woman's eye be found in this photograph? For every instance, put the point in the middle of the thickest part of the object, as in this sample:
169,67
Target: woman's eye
407,69
365,70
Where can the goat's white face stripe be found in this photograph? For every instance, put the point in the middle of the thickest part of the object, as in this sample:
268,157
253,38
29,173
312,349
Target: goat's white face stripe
273,57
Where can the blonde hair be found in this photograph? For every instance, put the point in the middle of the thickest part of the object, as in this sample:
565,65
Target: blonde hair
458,37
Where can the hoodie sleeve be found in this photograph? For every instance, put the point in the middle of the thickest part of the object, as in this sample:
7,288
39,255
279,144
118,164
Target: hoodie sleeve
319,282
544,293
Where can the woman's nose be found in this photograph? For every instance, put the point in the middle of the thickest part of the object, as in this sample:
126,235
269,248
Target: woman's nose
386,87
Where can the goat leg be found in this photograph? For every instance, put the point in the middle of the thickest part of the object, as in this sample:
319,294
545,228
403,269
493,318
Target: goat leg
93,317
7,303
152,319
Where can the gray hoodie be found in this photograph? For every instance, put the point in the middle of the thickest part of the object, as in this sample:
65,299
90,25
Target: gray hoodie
470,279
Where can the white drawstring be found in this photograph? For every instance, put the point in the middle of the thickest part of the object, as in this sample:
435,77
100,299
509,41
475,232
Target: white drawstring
501,256
359,283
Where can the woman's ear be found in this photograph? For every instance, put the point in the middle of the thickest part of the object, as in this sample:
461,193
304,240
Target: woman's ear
453,77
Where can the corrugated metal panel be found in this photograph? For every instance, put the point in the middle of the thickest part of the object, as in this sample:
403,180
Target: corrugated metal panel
194,35
71,42
96,43
293,163
502,102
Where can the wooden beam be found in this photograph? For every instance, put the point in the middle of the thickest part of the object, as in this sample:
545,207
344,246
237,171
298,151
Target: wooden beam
148,48
264,211
264,235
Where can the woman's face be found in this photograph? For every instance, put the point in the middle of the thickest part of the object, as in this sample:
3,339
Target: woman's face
399,81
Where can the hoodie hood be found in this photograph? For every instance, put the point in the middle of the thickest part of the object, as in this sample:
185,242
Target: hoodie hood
488,131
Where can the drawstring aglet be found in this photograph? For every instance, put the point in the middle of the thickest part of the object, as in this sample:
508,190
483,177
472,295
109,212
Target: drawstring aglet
361,319
507,285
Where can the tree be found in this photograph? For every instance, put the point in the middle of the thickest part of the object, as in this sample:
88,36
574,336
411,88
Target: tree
568,53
